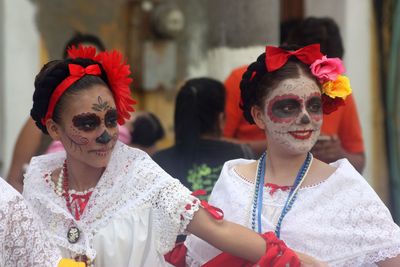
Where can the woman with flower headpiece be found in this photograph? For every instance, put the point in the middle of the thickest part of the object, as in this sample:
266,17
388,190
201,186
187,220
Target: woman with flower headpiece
103,202
326,211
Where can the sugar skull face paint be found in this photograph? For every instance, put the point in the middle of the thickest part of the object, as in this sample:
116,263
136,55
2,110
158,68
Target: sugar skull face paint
89,126
293,115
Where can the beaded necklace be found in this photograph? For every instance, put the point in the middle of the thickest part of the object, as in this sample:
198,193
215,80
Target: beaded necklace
73,234
259,188
78,199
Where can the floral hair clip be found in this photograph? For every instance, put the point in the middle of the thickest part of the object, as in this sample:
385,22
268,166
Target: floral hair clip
328,71
335,86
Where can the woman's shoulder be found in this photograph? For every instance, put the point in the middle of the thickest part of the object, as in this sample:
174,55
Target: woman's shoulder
7,192
45,163
346,182
347,171
239,168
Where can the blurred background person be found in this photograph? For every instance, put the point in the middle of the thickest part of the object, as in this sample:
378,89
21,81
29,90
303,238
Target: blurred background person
145,131
199,153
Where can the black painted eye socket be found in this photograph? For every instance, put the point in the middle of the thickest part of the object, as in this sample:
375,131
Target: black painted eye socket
86,122
286,108
111,118
314,105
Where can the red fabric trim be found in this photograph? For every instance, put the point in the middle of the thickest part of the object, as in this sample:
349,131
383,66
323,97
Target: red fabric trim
277,254
177,256
217,213
275,187
79,203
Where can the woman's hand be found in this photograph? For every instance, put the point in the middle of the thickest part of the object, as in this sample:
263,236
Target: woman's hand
308,261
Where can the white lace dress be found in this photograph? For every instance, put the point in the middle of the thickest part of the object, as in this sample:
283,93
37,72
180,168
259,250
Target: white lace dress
23,241
133,215
340,221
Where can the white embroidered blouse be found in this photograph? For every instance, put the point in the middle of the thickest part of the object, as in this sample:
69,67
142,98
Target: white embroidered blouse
23,241
341,220
132,218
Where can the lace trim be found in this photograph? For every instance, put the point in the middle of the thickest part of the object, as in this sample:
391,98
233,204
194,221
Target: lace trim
268,185
24,241
370,258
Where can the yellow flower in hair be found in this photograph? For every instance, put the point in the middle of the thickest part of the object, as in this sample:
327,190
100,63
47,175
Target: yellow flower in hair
337,88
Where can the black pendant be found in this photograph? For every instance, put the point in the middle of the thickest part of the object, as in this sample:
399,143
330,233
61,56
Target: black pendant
73,234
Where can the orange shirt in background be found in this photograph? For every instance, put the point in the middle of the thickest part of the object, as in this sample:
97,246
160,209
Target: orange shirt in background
343,122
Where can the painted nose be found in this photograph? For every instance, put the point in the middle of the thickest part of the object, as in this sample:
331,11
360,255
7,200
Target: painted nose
104,138
305,119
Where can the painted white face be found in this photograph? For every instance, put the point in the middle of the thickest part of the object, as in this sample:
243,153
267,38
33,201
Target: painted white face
293,115
89,126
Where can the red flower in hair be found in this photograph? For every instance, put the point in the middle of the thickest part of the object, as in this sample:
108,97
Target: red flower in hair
82,52
330,105
117,72
118,78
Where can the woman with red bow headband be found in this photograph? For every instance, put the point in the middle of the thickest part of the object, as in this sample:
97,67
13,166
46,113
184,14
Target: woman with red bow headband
107,204
326,211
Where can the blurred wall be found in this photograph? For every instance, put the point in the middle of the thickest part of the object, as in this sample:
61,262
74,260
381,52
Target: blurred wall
19,63
231,35
57,21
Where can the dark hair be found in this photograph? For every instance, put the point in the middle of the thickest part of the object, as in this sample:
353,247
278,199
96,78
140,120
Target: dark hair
49,77
286,28
257,82
324,31
80,38
146,129
198,105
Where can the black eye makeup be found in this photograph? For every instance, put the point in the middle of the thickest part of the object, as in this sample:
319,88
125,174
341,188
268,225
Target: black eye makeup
286,108
86,121
111,118
314,105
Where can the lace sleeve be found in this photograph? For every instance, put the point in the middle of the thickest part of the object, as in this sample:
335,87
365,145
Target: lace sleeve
174,208
23,240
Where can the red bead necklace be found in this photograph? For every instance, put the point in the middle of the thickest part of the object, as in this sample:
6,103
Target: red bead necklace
66,188
80,204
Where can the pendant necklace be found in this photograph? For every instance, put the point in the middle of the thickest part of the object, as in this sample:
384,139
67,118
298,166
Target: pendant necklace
259,188
73,233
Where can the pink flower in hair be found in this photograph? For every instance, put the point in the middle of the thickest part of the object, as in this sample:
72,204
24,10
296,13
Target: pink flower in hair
327,69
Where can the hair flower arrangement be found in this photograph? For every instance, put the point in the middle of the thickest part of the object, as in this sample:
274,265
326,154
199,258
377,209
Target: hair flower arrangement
117,71
335,86
328,71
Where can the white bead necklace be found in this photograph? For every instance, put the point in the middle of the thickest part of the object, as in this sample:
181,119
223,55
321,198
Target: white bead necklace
60,181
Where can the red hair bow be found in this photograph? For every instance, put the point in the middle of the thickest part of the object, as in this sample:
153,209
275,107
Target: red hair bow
276,57
76,72
79,71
